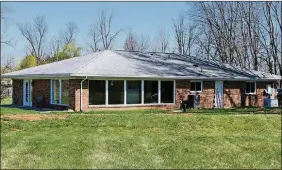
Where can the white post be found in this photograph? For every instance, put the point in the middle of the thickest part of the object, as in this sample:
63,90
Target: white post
174,89
51,94
107,91
124,91
30,92
60,97
159,91
142,91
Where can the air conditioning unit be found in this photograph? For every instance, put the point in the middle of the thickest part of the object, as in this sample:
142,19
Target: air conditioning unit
193,101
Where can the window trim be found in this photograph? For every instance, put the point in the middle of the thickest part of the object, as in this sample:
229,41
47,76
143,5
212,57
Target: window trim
142,94
255,87
60,96
193,91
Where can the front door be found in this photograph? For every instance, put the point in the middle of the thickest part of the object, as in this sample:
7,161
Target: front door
27,93
219,94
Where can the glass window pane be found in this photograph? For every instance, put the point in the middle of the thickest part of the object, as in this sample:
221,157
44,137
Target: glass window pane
133,92
150,91
97,92
252,87
65,92
196,86
55,92
193,88
166,91
116,92
26,92
247,87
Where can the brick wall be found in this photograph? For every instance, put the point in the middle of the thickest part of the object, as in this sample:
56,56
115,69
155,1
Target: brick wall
74,94
17,92
234,94
41,88
182,90
206,96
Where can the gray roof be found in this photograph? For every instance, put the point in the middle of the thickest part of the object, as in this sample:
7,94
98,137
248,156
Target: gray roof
121,64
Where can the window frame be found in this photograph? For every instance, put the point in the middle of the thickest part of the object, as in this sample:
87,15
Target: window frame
196,81
60,96
250,86
107,82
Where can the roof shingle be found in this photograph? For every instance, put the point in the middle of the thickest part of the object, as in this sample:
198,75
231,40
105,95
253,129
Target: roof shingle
136,64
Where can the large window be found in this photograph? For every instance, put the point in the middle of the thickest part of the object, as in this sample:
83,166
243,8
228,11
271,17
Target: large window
250,87
97,92
59,92
116,91
167,92
65,92
150,91
133,92
123,92
196,86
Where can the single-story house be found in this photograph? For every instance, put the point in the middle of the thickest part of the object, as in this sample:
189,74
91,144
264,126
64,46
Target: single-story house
118,79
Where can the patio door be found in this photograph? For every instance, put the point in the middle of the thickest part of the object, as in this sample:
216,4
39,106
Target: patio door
219,102
27,93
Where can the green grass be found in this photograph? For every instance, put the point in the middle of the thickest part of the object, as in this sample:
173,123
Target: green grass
143,139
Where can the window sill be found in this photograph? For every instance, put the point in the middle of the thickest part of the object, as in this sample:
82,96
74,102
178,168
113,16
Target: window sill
59,104
131,105
250,93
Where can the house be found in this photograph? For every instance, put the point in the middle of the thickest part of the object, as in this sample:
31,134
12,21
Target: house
117,79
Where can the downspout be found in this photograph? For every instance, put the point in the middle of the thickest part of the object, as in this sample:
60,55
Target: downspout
81,92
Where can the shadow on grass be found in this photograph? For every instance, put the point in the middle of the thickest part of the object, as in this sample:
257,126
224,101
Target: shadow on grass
245,110
15,109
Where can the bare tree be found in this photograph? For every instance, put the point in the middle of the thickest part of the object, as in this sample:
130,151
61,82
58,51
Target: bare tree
163,39
104,28
130,43
272,38
185,35
70,32
35,35
59,42
95,39
5,40
143,43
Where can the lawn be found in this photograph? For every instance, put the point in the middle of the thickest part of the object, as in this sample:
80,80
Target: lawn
142,139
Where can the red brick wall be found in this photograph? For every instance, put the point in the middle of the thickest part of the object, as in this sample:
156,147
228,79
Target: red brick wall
207,95
17,92
182,90
41,88
234,94
74,94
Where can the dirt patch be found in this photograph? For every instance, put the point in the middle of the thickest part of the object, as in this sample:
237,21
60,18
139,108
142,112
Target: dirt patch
174,114
32,117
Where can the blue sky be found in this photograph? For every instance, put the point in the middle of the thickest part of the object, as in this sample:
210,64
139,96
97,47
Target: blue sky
141,17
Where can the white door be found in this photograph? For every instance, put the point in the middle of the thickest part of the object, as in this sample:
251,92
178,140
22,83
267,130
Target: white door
27,93
219,100
270,91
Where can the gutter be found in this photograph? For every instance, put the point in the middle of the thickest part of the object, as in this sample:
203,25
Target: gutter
81,92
